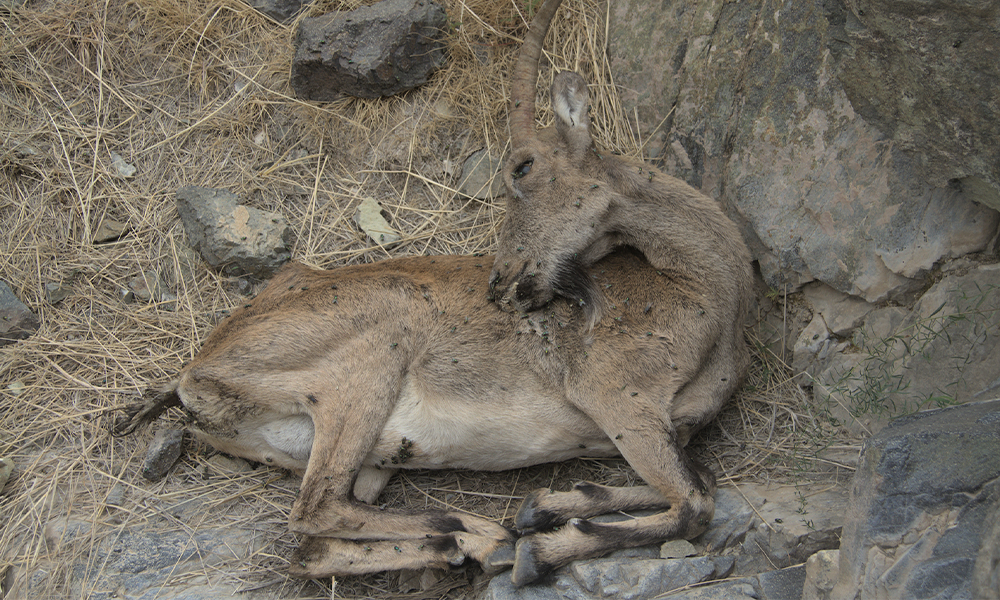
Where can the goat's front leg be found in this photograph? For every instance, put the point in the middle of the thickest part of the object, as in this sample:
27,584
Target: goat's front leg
676,483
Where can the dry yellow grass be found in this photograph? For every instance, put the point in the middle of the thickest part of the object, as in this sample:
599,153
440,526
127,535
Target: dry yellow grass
196,92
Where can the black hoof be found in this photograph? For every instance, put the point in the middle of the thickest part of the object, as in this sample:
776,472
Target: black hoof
527,568
500,559
530,517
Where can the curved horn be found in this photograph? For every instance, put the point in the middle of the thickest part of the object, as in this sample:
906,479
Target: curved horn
524,79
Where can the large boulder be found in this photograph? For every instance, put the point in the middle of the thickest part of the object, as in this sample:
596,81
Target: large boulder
764,109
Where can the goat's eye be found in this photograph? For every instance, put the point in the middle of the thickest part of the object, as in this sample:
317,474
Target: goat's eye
522,169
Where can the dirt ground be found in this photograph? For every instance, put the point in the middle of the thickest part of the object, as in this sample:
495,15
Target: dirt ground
197,93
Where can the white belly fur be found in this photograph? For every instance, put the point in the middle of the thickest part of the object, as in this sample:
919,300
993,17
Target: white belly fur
490,434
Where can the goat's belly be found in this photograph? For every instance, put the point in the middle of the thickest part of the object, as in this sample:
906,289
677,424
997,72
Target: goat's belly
491,434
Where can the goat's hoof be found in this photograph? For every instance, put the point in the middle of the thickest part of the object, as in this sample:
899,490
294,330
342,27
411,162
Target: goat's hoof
530,517
500,559
526,567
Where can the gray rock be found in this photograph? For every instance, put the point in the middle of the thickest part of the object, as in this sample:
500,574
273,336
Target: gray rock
17,322
281,11
841,313
821,574
629,579
762,120
733,519
919,71
783,584
163,452
56,292
379,50
790,524
234,238
925,486
941,352
480,176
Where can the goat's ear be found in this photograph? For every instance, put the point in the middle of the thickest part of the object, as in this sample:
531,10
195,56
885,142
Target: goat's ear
571,103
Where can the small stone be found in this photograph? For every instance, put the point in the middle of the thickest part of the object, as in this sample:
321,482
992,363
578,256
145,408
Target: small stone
244,286
234,238
6,469
16,388
109,230
281,11
163,452
17,322
116,496
147,287
124,169
56,292
168,301
480,178
677,549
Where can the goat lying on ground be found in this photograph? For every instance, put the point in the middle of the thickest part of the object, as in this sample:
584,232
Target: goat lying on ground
351,374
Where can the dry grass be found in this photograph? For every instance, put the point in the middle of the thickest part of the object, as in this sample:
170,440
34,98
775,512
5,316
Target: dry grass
196,92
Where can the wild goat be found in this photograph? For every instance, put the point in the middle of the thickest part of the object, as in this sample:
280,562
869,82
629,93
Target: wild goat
351,374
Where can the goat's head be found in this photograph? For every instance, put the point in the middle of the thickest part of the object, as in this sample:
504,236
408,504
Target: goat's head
556,207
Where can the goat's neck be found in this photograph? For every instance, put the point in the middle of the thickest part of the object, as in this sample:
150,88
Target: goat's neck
675,234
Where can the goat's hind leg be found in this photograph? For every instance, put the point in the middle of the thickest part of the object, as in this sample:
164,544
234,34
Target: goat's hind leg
324,557
347,428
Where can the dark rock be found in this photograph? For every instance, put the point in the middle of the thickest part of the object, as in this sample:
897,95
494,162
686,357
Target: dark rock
918,71
925,486
17,322
279,10
234,238
373,51
163,452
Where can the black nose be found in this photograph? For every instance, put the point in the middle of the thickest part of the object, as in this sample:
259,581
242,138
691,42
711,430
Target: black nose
494,278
